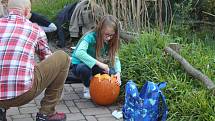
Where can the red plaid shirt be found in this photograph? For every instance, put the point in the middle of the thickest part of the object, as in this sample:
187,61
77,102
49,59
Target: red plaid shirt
19,40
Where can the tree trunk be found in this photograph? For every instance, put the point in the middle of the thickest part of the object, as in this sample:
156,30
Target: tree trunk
190,69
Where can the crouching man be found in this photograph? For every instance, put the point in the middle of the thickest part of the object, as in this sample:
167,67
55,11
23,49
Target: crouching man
21,78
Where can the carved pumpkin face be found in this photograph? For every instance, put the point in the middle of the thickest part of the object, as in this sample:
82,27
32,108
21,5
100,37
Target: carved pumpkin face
104,89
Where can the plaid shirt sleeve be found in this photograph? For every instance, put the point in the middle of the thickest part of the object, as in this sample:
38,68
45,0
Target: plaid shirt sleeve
42,45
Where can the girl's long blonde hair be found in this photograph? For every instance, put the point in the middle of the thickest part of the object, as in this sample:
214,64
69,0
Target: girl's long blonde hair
107,21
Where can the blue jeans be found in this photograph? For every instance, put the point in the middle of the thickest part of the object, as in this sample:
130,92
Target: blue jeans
85,73
63,17
39,19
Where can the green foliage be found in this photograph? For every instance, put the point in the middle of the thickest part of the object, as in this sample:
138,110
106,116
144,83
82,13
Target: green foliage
183,8
193,9
49,8
186,97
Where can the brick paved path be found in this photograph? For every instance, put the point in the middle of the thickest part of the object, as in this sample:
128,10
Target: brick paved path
75,107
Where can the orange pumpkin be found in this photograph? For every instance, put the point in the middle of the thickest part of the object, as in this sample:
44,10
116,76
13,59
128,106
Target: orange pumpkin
104,89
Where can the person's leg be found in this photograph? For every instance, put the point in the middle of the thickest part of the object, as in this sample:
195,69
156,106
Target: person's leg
39,19
60,32
45,77
53,73
20,100
43,22
83,72
51,28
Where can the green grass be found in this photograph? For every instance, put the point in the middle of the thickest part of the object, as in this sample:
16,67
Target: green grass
50,8
187,98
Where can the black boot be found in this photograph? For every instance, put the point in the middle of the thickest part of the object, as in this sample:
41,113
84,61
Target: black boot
3,114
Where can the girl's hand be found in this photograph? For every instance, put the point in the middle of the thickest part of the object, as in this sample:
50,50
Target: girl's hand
103,66
118,78
106,68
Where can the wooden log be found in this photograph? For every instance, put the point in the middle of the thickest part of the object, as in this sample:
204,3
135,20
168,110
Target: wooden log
208,13
127,36
175,46
190,69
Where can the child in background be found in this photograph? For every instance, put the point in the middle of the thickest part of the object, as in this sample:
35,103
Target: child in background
96,52
42,21
3,8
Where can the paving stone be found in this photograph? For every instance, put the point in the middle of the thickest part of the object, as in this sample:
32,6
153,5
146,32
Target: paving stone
70,97
69,103
74,109
61,102
39,97
13,111
79,90
32,102
81,95
107,119
67,85
62,108
28,110
29,105
33,115
21,116
24,119
9,119
103,115
75,117
114,107
68,90
78,85
37,101
85,105
82,100
91,118
106,116
94,111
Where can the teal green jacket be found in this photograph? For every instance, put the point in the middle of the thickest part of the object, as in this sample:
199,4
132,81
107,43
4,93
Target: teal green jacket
85,52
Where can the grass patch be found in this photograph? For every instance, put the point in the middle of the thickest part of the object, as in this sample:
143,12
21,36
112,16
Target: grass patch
187,98
50,8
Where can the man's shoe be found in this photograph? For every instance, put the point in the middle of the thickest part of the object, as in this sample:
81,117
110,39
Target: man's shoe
3,114
54,117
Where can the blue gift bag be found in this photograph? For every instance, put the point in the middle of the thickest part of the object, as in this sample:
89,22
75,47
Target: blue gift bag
148,105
